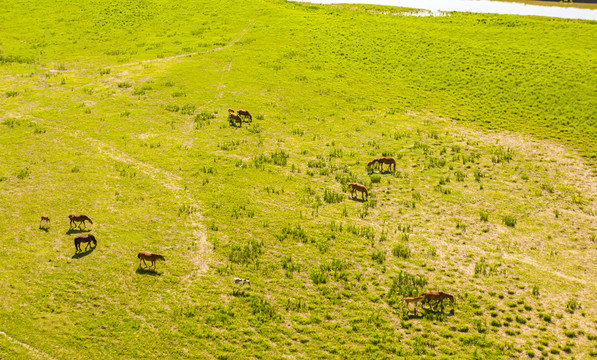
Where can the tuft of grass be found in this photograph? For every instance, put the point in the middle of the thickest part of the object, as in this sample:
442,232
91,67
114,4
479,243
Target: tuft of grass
332,197
401,251
375,178
572,305
509,221
379,256
23,173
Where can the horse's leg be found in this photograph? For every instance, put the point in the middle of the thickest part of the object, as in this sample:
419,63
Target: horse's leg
144,263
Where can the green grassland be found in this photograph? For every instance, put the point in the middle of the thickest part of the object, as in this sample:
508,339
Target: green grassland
119,110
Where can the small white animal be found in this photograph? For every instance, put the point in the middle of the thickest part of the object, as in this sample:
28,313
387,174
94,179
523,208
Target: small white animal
239,281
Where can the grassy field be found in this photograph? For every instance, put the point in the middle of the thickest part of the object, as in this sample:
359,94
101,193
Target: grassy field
119,111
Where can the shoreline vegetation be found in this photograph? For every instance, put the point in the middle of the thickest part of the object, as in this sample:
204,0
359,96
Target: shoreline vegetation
119,111
585,4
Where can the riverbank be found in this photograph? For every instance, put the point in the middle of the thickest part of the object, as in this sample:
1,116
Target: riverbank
527,8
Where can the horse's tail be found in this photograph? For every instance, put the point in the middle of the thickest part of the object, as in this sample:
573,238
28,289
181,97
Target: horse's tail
139,256
75,241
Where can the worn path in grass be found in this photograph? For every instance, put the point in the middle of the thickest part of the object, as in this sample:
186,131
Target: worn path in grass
31,351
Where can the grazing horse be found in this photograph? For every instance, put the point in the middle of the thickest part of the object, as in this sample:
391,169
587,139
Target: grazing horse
415,300
74,219
45,219
371,165
354,187
438,297
245,113
145,255
238,282
234,118
87,238
386,160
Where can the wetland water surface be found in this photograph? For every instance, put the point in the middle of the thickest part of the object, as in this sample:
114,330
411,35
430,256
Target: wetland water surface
479,6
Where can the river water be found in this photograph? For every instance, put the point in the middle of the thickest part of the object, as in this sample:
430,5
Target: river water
478,6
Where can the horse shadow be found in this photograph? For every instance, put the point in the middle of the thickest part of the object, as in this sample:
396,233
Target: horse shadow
44,228
80,254
77,231
415,316
146,271
239,293
433,311
357,199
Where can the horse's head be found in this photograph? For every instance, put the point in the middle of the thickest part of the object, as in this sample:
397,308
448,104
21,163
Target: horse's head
161,257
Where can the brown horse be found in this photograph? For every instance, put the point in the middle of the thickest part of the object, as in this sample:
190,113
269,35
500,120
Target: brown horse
386,160
415,300
438,297
234,118
74,219
145,255
87,238
354,187
372,165
45,219
246,114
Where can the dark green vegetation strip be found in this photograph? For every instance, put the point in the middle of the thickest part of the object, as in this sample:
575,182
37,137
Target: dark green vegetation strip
504,72
104,119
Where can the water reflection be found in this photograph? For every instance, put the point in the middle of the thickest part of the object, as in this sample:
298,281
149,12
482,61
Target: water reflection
435,7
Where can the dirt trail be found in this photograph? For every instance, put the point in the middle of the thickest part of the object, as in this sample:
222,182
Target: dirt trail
167,58
35,353
17,77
